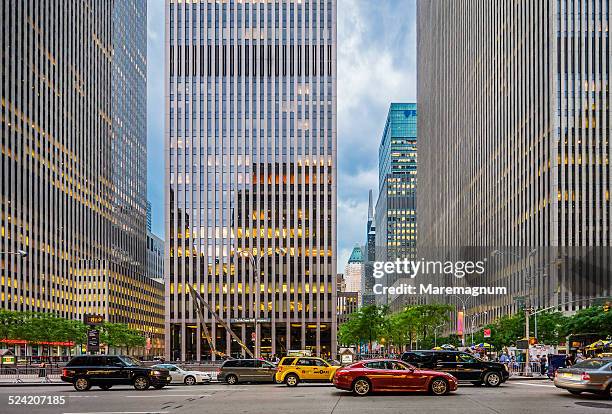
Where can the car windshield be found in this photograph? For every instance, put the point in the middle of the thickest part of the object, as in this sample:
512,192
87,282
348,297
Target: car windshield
590,364
131,362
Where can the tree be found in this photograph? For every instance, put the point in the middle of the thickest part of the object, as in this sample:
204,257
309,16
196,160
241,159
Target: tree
417,322
367,324
10,323
592,320
120,335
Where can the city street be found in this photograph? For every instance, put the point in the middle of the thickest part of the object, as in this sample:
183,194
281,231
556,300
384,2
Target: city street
512,397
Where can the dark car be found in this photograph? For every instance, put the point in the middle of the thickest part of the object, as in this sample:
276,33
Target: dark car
375,375
592,375
108,370
246,370
463,366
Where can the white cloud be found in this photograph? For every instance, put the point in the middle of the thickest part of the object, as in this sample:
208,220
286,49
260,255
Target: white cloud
376,66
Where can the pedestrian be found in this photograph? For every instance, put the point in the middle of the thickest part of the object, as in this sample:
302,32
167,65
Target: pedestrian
543,365
579,357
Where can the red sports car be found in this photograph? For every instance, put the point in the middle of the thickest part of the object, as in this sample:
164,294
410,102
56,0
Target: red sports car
366,376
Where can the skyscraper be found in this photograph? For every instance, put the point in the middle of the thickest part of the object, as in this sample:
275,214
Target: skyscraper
353,272
367,279
517,149
73,136
251,181
396,224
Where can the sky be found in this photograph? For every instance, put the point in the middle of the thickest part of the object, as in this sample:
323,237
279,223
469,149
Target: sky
376,66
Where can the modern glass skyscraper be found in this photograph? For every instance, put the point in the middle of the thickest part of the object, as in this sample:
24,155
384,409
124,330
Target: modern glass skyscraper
73,136
396,226
518,143
251,179
367,278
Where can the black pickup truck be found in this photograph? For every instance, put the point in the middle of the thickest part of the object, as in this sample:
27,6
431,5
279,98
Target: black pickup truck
107,370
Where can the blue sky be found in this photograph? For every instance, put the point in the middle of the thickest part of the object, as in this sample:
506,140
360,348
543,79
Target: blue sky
376,66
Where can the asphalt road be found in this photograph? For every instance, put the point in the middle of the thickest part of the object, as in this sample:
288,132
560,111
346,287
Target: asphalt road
512,397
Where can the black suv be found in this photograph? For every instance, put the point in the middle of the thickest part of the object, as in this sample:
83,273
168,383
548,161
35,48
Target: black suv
463,366
108,370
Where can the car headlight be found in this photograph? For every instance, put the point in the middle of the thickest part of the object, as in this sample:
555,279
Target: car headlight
156,372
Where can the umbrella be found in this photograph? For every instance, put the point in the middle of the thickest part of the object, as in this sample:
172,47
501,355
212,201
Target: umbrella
483,345
599,344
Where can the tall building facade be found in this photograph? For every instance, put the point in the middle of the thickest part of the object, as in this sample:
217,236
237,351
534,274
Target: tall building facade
396,217
517,150
73,137
155,257
251,179
353,272
369,257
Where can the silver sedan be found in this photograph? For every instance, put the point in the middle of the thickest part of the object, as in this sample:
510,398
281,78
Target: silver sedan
592,375
181,376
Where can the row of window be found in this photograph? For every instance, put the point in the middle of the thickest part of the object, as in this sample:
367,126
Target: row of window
250,60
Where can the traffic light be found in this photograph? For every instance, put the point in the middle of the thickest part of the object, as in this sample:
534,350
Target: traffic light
606,307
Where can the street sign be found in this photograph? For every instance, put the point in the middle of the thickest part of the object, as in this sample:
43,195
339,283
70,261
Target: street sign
93,340
487,333
522,344
249,320
90,319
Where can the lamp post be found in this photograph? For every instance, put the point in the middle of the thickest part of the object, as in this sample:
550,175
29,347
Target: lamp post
473,324
527,276
463,306
256,265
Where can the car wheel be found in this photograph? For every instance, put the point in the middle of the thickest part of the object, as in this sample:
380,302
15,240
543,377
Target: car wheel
439,386
82,384
231,379
573,392
292,380
105,387
190,380
361,387
141,383
492,379
608,392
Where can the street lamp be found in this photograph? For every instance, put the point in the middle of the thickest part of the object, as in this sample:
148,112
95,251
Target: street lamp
256,265
21,253
527,276
463,306
473,324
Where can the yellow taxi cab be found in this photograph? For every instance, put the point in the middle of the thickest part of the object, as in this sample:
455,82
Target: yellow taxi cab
293,370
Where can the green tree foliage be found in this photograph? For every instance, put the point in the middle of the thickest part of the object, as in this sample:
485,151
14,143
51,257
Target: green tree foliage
374,323
366,325
45,327
591,320
120,335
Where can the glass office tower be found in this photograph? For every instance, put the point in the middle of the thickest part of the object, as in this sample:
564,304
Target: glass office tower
396,224
251,175
73,137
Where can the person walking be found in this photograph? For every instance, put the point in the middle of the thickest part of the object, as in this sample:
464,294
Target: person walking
543,361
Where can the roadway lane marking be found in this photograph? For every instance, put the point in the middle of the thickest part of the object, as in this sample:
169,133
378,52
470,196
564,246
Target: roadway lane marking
167,395
120,412
535,385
